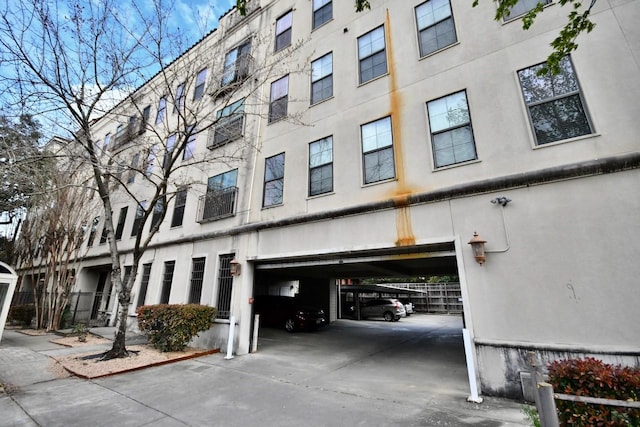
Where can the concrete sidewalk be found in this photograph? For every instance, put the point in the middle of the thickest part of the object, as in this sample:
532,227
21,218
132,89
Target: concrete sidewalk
268,388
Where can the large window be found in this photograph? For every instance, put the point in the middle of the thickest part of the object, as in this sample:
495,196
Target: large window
372,55
138,218
273,180
162,109
524,6
322,78
121,220
435,26
201,80
144,284
225,286
377,151
178,208
220,200
236,64
283,30
279,99
555,104
197,277
321,166
322,12
229,124
167,279
451,132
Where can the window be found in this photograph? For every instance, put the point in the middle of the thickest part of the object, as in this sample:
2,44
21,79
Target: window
158,212
171,142
145,119
225,286
220,200
107,139
229,124
144,284
273,180
321,166
556,107
279,99
522,7
372,55
127,274
283,30
322,12
178,209
162,108
451,132
134,167
322,78
103,234
120,135
197,276
201,80
236,64
180,95
435,26
151,158
167,278
121,220
138,218
191,143
377,151
92,232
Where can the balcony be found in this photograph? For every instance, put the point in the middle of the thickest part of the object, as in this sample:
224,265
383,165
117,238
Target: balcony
217,204
226,130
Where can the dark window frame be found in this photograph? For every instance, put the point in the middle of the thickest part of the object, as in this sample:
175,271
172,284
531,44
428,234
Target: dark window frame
372,56
197,280
200,84
278,107
272,180
435,26
320,168
180,202
122,218
225,286
376,153
283,35
321,14
321,80
167,281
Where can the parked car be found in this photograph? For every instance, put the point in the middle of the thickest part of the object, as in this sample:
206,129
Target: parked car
388,308
286,312
408,307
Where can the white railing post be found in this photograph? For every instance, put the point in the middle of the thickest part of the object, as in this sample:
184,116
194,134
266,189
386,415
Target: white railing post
232,330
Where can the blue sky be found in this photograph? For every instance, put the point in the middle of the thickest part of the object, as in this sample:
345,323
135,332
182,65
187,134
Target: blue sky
199,16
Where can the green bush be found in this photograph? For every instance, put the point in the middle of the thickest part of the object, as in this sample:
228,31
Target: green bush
594,378
170,327
22,313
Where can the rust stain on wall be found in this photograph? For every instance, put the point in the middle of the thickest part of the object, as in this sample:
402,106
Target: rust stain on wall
404,228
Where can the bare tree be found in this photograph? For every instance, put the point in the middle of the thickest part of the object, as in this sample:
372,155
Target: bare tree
69,57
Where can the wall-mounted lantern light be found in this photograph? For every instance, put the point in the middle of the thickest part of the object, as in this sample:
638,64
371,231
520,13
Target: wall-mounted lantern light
477,245
234,266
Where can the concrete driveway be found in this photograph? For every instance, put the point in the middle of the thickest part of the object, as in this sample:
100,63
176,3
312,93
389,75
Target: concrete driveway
349,374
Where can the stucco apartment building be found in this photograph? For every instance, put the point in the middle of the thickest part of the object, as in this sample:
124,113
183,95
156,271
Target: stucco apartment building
379,145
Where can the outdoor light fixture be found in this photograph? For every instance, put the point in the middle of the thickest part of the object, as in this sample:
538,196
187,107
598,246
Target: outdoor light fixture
234,267
477,245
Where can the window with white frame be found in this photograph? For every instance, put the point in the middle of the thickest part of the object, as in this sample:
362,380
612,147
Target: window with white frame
321,166
283,30
201,80
322,12
522,7
180,95
377,151
436,29
229,124
322,78
279,99
162,109
236,64
555,104
273,181
372,55
451,131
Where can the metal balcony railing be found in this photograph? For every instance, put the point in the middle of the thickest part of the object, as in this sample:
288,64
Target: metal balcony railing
217,204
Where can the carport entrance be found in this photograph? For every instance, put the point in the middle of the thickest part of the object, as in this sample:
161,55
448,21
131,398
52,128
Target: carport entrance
312,279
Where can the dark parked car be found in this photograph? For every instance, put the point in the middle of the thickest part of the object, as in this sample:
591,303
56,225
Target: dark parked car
388,308
287,313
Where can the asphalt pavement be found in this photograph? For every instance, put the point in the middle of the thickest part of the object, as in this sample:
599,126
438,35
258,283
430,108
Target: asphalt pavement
374,373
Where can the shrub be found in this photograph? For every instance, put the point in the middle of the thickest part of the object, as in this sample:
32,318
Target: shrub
594,378
22,313
170,327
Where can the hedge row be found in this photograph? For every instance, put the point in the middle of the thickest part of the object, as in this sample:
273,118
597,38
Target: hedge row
594,378
22,313
170,327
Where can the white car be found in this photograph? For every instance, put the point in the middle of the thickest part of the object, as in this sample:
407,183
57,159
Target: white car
408,308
